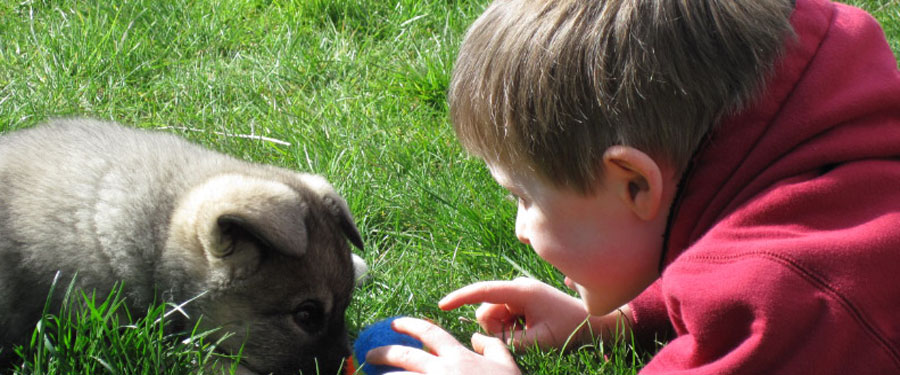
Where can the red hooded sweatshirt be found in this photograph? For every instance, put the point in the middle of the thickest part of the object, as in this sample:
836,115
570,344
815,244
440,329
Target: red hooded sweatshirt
782,254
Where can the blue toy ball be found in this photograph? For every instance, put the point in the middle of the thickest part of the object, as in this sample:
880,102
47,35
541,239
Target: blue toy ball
375,335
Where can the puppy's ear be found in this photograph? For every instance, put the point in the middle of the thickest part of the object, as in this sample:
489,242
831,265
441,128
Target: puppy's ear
255,218
339,210
233,218
287,235
235,244
336,205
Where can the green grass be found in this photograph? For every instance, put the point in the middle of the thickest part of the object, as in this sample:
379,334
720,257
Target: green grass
92,335
357,87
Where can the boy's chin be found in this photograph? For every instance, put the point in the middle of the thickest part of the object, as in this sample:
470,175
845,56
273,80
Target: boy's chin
596,305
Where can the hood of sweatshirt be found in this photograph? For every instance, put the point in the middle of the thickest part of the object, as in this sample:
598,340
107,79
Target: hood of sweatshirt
833,98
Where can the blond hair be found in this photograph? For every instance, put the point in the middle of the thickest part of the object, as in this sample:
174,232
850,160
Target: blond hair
548,86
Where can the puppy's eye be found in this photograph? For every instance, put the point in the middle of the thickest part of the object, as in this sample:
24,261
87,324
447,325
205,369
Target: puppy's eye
310,316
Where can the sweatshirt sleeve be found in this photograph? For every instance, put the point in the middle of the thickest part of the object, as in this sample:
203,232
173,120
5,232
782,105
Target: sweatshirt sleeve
765,314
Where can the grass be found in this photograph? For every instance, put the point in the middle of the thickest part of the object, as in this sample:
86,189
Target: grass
357,87
94,336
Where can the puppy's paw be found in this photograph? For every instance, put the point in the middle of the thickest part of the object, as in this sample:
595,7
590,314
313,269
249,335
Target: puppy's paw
360,270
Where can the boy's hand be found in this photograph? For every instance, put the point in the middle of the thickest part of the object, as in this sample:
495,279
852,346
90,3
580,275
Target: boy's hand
447,355
523,312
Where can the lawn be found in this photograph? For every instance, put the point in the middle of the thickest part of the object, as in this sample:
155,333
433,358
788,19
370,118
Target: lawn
350,89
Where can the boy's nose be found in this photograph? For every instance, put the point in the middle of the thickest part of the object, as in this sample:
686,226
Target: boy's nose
523,239
521,230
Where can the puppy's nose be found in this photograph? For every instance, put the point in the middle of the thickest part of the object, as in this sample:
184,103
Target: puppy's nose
330,360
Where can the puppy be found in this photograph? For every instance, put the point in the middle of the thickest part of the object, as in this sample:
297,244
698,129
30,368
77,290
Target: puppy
264,248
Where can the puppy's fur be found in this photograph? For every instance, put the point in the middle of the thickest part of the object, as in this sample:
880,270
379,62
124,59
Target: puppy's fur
264,248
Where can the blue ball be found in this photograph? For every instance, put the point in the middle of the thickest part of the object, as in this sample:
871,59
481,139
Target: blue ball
380,334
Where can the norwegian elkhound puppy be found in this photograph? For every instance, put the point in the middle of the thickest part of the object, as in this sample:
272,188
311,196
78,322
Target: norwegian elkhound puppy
264,248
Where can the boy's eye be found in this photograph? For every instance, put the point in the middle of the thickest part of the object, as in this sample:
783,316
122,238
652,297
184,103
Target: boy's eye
519,201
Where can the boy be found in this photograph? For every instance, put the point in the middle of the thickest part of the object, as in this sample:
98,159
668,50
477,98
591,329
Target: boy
728,170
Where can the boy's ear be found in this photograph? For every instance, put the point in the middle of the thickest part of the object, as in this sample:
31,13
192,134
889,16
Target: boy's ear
636,178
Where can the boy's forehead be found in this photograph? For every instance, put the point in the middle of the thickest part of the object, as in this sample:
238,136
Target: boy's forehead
497,172
500,174
510,178
527,180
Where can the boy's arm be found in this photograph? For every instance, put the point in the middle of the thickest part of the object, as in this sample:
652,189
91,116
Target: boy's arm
767,314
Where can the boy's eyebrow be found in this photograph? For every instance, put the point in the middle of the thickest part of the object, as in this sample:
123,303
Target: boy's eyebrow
514,190
517,188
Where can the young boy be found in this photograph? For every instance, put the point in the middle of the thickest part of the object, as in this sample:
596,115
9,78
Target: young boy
728,170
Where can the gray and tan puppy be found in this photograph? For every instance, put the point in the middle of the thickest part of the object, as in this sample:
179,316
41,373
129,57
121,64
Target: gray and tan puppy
265,248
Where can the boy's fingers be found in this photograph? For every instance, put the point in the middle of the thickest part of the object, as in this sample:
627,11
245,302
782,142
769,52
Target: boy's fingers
405,357
430,334
521,338
491,348
517,338
495,318
499,311
501,292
